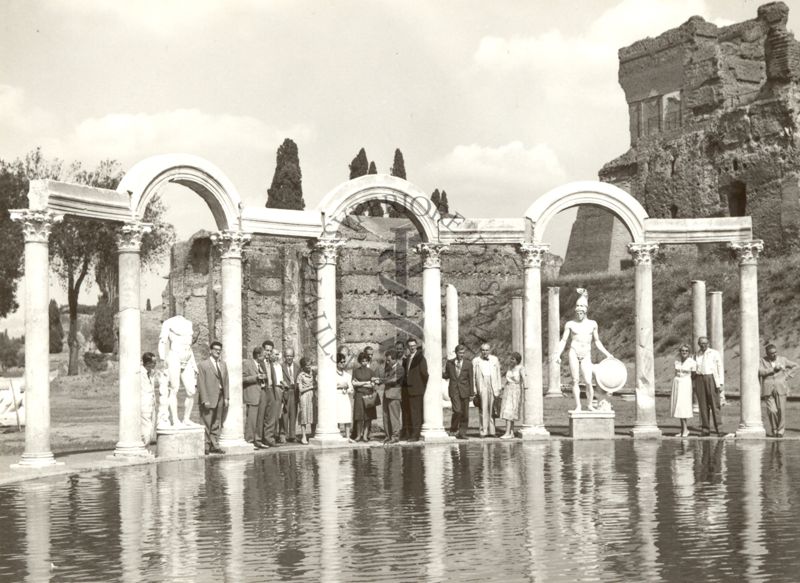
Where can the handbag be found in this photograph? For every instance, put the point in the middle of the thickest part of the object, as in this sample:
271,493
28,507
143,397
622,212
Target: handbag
371,400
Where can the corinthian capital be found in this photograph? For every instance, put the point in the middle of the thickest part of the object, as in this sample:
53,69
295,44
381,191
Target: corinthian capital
747,252
326,251
230,243
36,225
642,253
129,236
533,255
431,254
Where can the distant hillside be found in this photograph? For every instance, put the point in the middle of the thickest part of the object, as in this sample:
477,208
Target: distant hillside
611,304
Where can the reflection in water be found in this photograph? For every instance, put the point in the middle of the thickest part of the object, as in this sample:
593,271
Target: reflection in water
555,511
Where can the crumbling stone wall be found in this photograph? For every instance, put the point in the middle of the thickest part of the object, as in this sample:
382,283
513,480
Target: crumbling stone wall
379,287
714,113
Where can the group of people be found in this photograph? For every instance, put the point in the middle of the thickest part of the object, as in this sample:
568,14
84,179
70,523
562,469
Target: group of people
702,376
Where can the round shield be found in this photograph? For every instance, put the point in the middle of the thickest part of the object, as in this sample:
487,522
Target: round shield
610,374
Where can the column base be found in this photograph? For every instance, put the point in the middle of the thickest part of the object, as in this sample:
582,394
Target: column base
130,450
550,395
235,446
534,432
436,436
33,461
753,432
646,432
329,440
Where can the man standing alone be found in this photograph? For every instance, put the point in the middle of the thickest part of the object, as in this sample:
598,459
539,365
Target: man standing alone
772,374
212,386
416,368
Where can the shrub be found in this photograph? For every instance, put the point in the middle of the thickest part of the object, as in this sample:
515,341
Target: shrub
96,361
103,332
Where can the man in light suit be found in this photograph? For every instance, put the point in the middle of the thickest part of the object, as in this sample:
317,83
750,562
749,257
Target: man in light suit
289,370
772,374
461,389
416,368
486,382
708,383
253,378
212,388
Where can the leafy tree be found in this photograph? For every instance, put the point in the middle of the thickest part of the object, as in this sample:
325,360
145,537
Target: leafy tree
360,165
103,332
399,165
148,307
444,206
12,353
286,191
56,329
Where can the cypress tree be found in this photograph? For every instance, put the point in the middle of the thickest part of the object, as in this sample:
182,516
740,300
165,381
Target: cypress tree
56,329
399,165
372,168
360,165
444,206
148,307
286,191
436,198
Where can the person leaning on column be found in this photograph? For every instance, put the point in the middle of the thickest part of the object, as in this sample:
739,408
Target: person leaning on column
212,388
772,374
150,382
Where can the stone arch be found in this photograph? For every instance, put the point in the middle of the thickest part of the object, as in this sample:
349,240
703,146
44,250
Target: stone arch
603,194
143,181
335,205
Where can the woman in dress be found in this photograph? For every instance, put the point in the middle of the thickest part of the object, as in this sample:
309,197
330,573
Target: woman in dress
512,394
681,401
306,386
344,388
362,383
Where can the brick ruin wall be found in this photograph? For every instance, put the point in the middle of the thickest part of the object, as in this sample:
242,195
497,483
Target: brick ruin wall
379,289
714,114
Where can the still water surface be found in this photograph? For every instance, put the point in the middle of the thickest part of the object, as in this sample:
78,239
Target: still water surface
701,510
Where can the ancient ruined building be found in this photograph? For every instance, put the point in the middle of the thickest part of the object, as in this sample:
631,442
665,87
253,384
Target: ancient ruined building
714,114
379,284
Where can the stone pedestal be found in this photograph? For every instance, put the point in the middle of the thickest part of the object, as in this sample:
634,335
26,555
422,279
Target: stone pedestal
533,413
553,330
591,424
181,443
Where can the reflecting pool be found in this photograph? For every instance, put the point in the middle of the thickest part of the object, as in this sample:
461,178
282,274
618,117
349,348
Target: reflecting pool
699,510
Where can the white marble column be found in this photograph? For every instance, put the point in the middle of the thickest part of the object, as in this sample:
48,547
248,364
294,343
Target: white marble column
750,424
36,226
129,245
230,245
533,414
699,328
553,330
324,257
517,324
451,320
645,425
433,415
717,338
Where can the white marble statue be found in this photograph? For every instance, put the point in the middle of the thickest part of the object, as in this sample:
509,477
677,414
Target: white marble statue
175,350
581,332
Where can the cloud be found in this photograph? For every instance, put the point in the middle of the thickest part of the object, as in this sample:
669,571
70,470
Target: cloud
508,176
17,115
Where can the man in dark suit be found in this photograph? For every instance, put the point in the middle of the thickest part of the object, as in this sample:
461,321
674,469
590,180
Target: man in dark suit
212,388
268,407
253,378
416,369
392,381
458,371
288,385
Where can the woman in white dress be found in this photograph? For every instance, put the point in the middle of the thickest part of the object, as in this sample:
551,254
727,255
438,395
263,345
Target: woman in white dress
681,402
510,408
344,388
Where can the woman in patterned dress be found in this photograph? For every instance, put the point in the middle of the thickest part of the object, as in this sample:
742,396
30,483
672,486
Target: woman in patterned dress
512,394
306,385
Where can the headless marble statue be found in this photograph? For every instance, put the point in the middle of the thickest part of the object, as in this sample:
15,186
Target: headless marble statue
175,350
581,332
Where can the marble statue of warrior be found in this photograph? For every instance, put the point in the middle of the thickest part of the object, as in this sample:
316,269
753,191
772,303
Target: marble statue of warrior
581,332
175,350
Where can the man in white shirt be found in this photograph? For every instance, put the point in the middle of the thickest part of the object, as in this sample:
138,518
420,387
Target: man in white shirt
708,383
487,384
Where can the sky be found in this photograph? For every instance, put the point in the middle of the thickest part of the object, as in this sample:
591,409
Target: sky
495,102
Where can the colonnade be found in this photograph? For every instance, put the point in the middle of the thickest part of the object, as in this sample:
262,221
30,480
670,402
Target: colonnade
37,225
